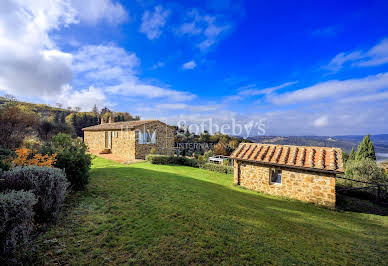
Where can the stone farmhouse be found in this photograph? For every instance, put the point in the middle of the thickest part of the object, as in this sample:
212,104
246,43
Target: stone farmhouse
303,173
131,139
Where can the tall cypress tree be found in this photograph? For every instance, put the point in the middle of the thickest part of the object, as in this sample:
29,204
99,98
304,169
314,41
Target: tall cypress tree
366,149
352,154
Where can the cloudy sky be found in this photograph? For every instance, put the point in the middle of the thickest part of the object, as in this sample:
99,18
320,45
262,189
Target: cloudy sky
305,68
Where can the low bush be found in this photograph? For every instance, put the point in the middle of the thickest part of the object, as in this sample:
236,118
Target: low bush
4,166
15,219
163,159
6,154
49,185
225,169
72,156
26,156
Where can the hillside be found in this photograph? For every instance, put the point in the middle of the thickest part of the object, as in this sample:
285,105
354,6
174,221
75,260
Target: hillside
74,119
159,214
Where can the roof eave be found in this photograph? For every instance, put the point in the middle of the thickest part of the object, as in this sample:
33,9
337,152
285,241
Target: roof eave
290,166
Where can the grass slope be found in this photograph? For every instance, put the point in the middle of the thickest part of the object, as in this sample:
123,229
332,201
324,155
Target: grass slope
153,214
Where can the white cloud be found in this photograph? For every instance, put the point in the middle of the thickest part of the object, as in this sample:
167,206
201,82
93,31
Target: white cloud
377,55
31,64
93,11
255,92
205,28
153,22
333,89
340,59
366,98
114,70
158,65
85,99
189,65
29,59
251,90
321,121
188,107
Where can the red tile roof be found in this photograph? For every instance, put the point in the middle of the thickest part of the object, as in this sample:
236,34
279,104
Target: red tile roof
309,158
120,125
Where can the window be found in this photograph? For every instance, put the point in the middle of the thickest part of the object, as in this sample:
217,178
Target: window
147,138
276,176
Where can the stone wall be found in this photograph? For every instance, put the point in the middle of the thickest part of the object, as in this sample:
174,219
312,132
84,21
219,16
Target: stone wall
95,140
125,142
164,140
309,186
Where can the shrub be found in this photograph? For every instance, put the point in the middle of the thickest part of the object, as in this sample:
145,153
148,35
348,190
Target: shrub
15,219
4,166
200,158
48,185
72,156
25,156
218,168
153,150
6,153
365,170
208,154
163,159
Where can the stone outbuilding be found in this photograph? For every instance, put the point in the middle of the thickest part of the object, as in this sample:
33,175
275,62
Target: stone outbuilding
298,172
131,139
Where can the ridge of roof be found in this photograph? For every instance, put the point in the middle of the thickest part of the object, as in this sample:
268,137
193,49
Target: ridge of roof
304,157
121,125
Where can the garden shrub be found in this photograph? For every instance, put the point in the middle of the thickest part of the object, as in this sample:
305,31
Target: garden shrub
225,169
16,212
4,166
163,159
49,185
6,153
153,150
26,156
72,156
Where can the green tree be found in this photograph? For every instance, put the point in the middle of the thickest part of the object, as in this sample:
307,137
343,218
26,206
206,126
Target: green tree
365,170
366,149
352,154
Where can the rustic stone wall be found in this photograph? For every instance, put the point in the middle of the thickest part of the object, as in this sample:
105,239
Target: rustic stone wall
95,140
125,142
164,140
315,187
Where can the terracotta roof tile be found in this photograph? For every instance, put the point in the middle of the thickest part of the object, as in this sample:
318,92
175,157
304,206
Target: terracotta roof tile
120,125
310,158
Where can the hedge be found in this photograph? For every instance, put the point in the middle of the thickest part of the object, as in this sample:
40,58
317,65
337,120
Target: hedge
225,169
164,159
15,219
49,185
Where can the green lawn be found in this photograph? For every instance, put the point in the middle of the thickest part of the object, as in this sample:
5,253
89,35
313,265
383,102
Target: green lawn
153,214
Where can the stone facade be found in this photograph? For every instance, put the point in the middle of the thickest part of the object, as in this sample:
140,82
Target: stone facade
125,142
305,185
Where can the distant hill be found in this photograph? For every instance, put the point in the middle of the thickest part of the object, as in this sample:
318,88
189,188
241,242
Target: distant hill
344,142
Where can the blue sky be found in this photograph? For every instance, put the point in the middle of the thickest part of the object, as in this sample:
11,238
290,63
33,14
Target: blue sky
298,68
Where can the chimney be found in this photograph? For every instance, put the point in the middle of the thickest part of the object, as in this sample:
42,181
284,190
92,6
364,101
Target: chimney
102,121
111,120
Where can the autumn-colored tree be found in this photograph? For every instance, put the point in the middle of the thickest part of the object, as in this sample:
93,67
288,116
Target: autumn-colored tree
220,149
233,144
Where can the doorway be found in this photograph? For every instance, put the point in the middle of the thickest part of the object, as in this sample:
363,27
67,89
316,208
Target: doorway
108,139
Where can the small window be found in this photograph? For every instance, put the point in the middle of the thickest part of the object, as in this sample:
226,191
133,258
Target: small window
276,176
